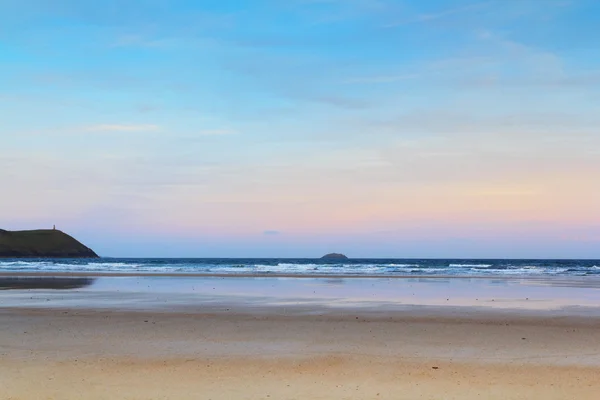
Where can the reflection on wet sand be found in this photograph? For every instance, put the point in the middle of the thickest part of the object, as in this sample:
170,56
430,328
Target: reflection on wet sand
20,283
572,296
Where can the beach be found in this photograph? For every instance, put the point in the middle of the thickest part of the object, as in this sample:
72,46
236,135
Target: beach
300,200
115,340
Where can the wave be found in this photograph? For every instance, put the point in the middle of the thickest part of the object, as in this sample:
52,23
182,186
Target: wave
426,270
470,265
402,265
301,267
41,266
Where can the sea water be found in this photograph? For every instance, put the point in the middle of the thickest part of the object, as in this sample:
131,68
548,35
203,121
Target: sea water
366,267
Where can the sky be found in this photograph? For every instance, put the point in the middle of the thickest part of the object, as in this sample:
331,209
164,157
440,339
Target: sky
272,128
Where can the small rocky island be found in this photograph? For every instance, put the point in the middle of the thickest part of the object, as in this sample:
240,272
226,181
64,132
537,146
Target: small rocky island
334,256
42,243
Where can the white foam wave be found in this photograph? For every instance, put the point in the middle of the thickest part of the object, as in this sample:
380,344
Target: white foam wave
200,266
403,265
428,270
43,266
470,265
527,270
114,264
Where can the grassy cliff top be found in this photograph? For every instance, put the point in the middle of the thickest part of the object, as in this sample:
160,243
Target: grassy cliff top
42,243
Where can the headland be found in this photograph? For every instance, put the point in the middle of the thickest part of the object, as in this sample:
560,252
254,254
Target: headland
42,243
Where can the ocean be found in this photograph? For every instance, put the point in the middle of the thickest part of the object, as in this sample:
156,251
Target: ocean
266,266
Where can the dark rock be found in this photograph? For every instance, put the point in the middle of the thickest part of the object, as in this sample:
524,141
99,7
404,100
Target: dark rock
43,243
334,256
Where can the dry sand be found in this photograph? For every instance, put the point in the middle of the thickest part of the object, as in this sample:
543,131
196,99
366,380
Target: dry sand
54,354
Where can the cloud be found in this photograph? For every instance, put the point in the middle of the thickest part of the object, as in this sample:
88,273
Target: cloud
122,128
495,64
298,78
441,14
451,11
337,11
217,132
381,79
271,233
146,108
140,41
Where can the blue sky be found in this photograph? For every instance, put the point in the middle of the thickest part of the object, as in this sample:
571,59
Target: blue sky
293,128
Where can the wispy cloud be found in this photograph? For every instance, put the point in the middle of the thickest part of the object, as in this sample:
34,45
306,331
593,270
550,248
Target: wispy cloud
380,79
337,11
452,11
217,132
122,128
271,233
339,101
139,41
441,14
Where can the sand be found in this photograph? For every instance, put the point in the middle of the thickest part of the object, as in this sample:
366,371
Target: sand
267,354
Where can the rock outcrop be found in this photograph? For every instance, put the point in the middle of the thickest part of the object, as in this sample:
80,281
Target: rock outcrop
334,256
43,243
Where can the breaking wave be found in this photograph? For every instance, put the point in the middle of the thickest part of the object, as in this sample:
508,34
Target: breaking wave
387,267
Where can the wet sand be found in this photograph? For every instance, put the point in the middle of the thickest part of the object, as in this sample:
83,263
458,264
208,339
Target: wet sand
239,348
552,296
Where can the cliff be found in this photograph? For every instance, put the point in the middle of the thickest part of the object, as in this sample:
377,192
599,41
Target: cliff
46,243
